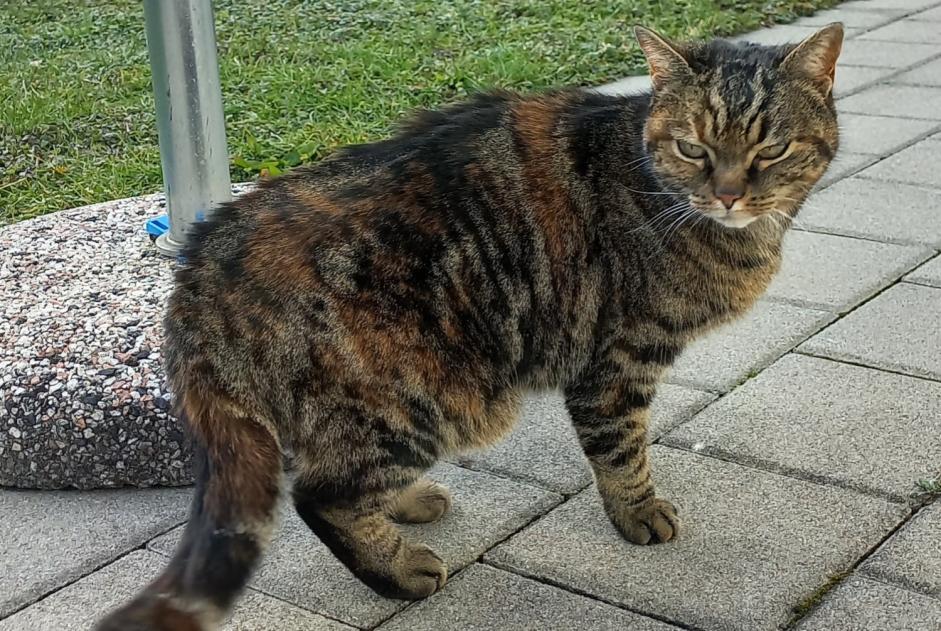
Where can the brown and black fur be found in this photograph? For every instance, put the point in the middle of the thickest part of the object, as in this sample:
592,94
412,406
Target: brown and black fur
392,304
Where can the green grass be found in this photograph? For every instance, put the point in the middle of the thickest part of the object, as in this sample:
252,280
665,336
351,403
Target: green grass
299,78
807,605
927,490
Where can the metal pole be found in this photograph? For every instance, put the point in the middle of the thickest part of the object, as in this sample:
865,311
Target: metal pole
181,40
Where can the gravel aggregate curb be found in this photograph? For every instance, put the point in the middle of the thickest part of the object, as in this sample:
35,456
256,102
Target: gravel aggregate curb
85,403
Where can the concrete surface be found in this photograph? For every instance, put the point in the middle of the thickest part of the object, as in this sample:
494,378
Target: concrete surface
860,604
912,557
726,357
898,330
823,420
754,543
927,274
869,209
831,273
484,598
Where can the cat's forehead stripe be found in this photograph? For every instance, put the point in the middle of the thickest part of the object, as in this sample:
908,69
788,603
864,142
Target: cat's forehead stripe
755,126
757,129
702,124
735,105
717,107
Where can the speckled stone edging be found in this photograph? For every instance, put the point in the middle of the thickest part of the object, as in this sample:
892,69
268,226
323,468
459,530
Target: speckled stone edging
84,401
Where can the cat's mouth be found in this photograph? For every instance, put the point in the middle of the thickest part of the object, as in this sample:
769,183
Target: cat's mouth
737,217
731,218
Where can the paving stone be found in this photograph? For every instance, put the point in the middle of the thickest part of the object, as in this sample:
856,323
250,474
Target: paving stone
897,330
872,209
628,85
857,52
857,427
81,604
834,273
301,570
544,449
850,78
53,537
912,30
877,134
859,604
902,101
927,274
926,74
903,6
931,15
483,598
850,19
784,34
912,557
754,543
727,356
914,165
844,165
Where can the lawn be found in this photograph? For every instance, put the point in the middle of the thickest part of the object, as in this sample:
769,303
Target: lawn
299,78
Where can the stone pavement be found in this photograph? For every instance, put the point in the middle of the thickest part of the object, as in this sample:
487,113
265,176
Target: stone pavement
793,442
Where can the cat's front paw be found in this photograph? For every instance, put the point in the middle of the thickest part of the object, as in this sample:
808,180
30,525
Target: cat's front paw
654,521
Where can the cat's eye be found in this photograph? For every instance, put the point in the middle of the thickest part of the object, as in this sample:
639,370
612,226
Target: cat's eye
690,150
772,152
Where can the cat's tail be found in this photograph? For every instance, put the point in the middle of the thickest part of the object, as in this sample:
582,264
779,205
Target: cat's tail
239,470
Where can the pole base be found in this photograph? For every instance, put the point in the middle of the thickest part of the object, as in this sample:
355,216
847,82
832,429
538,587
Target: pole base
167,246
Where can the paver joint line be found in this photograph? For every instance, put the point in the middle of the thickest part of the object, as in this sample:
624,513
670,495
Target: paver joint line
860,603
749,426
699,579
575,590
807,353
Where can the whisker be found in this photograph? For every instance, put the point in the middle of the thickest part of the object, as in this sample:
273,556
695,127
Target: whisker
643,162
659,218
789,219
640,159
699,220
634,190
675,227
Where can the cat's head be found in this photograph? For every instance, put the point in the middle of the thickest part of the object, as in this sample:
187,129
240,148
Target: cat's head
743,130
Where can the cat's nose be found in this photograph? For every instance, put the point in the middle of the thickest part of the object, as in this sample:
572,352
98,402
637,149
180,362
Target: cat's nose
728,195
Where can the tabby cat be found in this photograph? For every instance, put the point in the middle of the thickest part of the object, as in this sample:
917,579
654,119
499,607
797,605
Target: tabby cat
390,305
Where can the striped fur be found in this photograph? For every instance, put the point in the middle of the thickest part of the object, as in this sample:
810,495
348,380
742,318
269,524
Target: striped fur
391,305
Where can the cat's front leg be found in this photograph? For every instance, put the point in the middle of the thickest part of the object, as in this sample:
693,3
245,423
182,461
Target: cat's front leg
610,408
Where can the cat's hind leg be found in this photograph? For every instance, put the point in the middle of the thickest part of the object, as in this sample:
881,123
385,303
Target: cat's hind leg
353,474
423,502
361,534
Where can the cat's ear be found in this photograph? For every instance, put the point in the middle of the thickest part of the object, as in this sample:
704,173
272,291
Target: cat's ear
664,57
815,57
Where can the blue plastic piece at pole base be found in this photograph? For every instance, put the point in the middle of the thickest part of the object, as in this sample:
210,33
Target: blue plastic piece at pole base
157,226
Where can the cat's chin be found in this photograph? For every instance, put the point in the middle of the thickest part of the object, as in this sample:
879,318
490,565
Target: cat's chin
736,220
